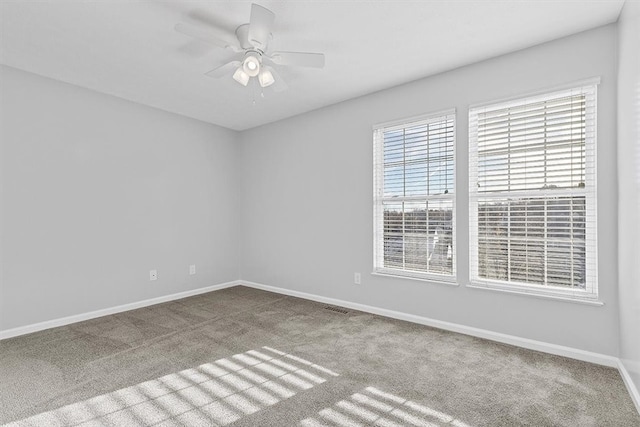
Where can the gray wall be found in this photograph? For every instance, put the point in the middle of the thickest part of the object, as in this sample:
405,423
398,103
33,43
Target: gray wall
96,191
629,187
306,197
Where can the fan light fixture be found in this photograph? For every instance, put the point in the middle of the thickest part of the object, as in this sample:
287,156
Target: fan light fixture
241,77
251,64
266,78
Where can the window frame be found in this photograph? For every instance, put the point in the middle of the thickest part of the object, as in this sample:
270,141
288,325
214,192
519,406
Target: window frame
379,199
590,293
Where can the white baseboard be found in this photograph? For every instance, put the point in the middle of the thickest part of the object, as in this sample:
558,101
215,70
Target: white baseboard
22,330
559,350
573,353
631,386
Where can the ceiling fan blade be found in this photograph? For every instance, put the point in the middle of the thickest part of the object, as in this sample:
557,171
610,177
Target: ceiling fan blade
299,59
206,36
260,26
223,70
279,84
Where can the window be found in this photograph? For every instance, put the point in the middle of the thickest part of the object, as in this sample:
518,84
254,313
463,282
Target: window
414,207
532,194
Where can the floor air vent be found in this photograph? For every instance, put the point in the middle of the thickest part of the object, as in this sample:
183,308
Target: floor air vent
336,309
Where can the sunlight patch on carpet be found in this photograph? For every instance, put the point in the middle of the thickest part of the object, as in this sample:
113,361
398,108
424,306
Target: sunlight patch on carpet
375,407
222,392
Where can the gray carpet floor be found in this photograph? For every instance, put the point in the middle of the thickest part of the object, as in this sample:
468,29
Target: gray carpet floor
246,357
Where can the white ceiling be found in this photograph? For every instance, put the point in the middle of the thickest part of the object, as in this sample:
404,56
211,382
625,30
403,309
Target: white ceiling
129,48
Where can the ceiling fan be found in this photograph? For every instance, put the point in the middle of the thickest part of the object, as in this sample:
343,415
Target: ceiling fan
253,58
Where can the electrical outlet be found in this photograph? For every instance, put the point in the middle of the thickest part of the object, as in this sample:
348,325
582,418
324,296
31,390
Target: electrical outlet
357,279
153,274
192,269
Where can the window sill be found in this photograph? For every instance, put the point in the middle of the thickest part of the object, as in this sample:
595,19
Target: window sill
530,293
438,281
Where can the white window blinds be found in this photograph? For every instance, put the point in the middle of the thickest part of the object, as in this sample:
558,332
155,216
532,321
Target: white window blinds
533,193
414,213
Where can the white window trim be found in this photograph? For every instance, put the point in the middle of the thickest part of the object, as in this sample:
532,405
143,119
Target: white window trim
444,280
590,295
378,185
546,295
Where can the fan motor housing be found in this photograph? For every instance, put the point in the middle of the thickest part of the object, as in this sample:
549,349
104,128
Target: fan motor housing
242,33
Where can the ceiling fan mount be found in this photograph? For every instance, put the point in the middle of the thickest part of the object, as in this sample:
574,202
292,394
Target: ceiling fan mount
242,34
254,59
